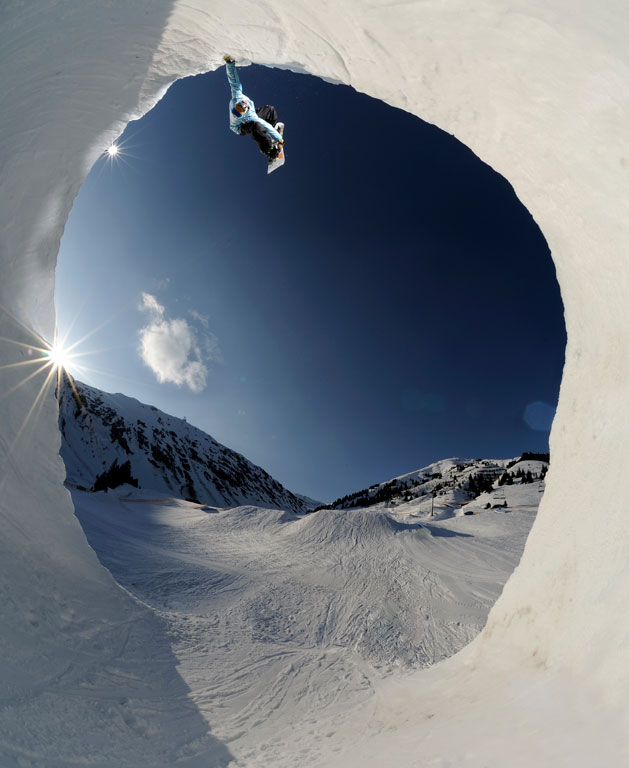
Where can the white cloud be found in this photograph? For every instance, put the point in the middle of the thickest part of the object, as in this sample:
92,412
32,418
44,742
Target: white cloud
203,319
173,349
151,304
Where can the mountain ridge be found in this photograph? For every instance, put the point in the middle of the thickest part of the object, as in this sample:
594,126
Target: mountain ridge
458,481
112,439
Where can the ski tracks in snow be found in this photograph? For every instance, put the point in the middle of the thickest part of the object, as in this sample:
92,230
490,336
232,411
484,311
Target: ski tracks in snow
282,625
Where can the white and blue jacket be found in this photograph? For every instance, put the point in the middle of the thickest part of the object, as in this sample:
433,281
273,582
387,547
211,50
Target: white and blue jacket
236,120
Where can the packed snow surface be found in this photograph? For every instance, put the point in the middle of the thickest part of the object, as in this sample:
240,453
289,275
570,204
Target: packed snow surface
540,91
282,625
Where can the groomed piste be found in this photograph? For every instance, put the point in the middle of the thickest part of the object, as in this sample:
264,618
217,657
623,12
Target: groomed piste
286,626
539,91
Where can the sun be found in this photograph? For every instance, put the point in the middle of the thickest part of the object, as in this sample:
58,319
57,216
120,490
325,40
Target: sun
117,152
59,356
38,359
52,364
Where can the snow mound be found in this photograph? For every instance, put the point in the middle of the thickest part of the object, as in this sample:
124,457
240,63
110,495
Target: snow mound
249,517
328,526
282,624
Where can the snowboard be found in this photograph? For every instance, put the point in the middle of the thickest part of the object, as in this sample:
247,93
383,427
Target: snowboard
280,159
277,163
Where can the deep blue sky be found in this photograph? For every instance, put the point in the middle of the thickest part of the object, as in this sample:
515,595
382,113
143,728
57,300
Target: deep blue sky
381,302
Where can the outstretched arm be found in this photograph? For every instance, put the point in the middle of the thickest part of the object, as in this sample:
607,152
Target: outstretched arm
232,76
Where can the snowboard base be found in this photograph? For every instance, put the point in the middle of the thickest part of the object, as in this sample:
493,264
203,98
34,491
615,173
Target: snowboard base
277,163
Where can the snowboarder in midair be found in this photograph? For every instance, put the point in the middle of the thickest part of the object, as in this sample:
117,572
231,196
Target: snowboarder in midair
262,124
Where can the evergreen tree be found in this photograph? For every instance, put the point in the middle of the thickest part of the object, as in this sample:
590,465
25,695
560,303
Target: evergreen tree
115,476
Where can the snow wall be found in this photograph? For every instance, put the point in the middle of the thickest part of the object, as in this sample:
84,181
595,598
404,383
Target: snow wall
539,91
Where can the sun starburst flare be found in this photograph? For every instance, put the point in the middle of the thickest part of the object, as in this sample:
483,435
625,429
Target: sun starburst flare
59,356
41,358
117,155
43,366
39,362
50,364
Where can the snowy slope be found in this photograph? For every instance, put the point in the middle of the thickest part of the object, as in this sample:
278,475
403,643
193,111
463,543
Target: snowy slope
507,497
540,91
164,453
455,486
283,624
450,480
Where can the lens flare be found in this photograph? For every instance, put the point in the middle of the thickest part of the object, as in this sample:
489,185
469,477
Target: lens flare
38,361
47,365
539,416
117,153
59,356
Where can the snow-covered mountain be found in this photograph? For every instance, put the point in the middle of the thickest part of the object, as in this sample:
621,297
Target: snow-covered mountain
111,439
457,486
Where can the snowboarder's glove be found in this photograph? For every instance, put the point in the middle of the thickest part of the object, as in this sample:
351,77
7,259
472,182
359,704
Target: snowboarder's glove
281,141
228,59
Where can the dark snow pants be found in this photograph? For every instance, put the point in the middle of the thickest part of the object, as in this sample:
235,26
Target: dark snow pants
258,134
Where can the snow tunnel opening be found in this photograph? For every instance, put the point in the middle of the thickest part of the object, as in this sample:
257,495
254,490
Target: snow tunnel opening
158,183
533,126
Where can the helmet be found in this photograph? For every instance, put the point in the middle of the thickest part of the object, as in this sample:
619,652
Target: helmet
240,107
